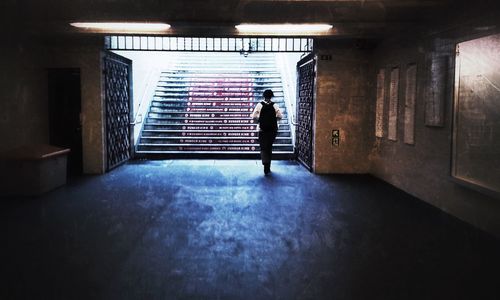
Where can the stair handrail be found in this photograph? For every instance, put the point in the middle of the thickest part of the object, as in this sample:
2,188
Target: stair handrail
146,96
289,91
143,107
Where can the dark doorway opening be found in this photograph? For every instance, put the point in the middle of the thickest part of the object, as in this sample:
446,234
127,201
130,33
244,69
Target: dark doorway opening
65,128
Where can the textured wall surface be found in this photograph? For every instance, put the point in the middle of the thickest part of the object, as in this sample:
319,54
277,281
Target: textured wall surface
87,58
423,169
342,104
23,96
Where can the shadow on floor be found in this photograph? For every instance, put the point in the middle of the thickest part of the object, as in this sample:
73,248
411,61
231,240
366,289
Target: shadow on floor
210,229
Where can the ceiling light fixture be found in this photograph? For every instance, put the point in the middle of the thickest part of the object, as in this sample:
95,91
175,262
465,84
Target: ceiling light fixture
126,27
284,28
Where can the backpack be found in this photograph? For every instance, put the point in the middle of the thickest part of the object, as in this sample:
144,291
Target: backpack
267,119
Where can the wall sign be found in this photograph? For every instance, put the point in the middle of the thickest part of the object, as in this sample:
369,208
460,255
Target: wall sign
393,105
410,95
335,138
379,114
434,103
476,136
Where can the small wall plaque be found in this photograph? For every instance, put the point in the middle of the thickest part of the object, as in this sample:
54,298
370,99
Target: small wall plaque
434,104
410,95
379,114
336,138
393,105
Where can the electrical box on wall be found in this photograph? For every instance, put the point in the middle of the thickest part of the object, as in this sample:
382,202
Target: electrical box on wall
335,137
325,57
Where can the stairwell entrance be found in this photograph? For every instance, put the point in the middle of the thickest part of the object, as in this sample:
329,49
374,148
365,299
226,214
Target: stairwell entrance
195,97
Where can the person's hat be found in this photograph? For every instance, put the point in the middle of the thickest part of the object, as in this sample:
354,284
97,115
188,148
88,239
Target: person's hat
268,94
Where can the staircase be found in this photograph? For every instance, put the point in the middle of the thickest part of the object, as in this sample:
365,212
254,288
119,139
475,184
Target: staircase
202,107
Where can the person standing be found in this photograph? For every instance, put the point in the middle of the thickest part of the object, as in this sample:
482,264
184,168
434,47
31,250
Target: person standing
267,114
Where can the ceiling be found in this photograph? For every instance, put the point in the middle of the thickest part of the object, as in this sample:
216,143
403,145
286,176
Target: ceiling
351,18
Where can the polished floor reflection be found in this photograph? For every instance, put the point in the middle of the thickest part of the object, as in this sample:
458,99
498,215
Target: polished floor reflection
219,229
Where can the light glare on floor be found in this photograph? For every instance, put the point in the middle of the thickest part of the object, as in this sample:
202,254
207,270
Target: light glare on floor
122,27
283,28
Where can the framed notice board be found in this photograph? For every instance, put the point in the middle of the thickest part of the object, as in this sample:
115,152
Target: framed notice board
476,128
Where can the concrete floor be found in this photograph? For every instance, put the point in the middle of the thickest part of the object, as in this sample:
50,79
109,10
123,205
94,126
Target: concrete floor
219,229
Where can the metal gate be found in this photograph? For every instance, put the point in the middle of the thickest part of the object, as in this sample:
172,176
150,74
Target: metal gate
117,73
306,75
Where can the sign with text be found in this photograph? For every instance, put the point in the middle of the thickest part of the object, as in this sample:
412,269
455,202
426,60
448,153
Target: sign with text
336,138
393,105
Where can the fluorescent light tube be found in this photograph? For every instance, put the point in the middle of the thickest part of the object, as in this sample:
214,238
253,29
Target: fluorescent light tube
126,27
283,28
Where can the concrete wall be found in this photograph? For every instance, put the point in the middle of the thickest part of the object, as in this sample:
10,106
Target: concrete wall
24,117
23,96
346,97
87,57
342,103
423,169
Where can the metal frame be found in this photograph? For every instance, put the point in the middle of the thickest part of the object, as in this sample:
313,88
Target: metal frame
208,44
117,77
305,136
470,182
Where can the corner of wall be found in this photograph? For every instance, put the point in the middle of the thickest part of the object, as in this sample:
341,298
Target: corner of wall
342,110
423,169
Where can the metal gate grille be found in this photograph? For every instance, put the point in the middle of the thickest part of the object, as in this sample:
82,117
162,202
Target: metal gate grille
117,79
305,111
208,44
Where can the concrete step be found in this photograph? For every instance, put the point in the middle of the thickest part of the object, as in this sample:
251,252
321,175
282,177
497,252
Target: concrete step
198,115
187,108
220,93
226,67
219,88
153,154
221,77
224,127
229,68
201,106
207,133
251,140
227,56
274,85
187,82
221,96
210,148
185,99
177,104
225,60
203,121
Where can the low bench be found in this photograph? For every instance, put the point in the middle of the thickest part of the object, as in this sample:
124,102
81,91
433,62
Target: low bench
32,170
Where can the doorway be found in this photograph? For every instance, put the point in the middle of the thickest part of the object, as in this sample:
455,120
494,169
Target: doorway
65,127
192,95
